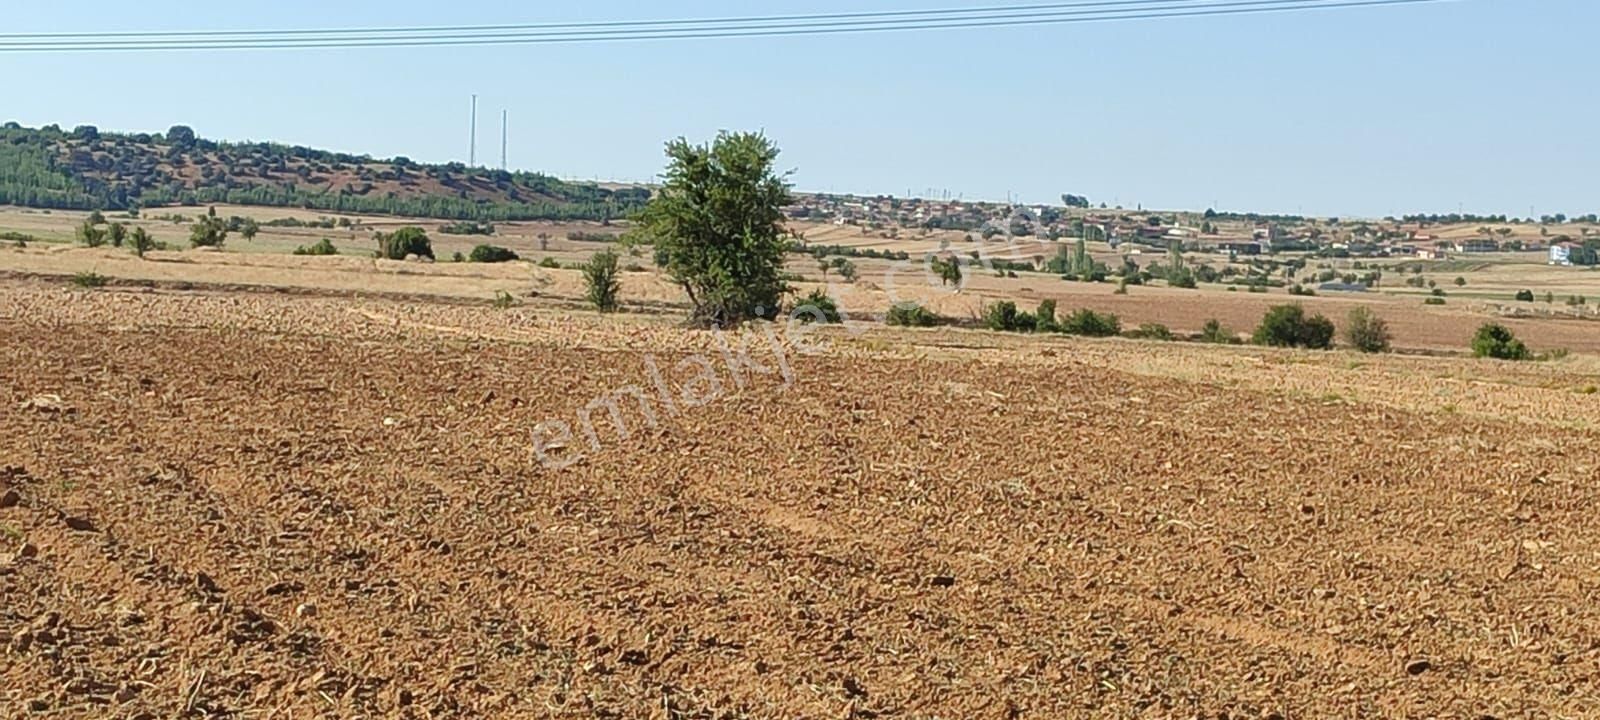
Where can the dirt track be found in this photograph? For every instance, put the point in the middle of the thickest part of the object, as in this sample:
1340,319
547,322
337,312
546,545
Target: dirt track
334,508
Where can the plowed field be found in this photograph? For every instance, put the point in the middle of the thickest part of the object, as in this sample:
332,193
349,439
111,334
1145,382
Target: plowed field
269,506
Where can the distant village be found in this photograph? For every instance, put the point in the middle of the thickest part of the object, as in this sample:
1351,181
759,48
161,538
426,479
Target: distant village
1566,241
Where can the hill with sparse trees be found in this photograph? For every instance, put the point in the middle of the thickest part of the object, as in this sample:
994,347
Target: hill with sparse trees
86,169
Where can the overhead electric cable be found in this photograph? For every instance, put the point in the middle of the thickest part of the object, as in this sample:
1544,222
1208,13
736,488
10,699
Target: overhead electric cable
716,29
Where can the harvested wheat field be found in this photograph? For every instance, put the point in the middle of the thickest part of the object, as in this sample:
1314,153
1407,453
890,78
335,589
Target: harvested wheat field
279,506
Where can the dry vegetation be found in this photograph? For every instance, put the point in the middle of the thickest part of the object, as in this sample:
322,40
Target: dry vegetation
265,263
253,504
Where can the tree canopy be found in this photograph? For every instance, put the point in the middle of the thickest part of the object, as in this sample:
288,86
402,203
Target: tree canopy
717,226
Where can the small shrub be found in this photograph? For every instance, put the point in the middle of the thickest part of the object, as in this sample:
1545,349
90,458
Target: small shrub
1301,290
910,314
1214,332
846,269
1461,282
410,240
458,257
1555,355
1525,296
503,300
1092,324
141,242
90,235
1438,292
1288,326
549,262
1434,301
1494,340
1152,331
321,247
1004,316
1045,317
601,281
90,280
491,254
816,307
1367,332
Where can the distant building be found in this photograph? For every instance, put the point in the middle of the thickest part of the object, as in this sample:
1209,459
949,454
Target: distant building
1477,245
1561,253
1342,287
1430,254
1239,247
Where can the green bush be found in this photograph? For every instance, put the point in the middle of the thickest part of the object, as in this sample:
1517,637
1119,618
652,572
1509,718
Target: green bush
90,235
1214,332
1004,316
208,231
1367,332
1524,296
409,240
1045,317
816,307
600,277
1090,323
1288,326
491,254
549,262
1434,301
321,247
1496,341
910,314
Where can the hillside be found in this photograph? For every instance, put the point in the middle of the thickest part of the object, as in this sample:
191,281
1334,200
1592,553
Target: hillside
86,169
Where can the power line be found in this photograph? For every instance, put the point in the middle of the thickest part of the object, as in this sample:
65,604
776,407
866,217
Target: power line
953,12
1007,19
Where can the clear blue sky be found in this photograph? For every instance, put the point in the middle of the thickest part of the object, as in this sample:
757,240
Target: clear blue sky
1489,105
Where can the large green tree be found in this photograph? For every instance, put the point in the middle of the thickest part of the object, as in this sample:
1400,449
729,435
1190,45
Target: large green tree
717,227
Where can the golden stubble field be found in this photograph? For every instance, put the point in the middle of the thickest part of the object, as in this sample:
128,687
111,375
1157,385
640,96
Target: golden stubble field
219,503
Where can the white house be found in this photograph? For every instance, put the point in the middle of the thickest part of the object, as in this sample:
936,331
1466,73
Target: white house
1561,253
